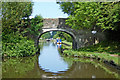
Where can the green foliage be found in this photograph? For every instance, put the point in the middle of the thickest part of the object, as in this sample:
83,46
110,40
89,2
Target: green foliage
13,13
105,46
36,25
15,45
49,35
66,46
109,17
0,36
56,35
15,24
90,54
46,35
53,33
102,50
67,7
63,36
92,14
69,52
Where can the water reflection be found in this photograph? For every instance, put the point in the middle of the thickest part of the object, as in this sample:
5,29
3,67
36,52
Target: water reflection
50,59
59,45
49,64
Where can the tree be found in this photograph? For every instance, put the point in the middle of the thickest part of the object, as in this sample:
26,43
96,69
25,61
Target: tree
13,13
15,17
46,35
63,36
67,7
36,25
92,14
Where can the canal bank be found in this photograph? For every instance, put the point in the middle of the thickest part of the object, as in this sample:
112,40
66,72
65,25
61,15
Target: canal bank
111,60
50,63
83,52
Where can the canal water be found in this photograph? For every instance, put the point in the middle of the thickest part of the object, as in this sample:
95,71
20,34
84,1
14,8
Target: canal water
51,64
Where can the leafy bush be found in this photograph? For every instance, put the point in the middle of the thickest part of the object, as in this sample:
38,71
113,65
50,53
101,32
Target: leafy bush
36,25
111,47
15,45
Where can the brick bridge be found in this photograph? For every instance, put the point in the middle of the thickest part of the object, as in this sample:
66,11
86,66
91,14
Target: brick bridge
81,38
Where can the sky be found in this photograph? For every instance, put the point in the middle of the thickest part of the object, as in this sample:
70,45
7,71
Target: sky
48,9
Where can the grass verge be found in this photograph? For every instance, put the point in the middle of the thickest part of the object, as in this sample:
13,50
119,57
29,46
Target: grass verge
104,51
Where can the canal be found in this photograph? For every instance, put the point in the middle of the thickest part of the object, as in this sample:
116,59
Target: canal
51,64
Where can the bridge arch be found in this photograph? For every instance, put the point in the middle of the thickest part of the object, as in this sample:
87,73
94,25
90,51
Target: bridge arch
74,43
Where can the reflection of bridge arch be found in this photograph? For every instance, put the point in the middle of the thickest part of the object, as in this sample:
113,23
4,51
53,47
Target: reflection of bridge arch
74,44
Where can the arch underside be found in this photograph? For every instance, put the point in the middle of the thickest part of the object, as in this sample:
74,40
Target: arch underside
74,44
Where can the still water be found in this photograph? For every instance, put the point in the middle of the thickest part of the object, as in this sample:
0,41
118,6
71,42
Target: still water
50,64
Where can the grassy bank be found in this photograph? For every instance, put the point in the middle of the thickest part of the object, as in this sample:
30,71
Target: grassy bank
96,55
90,53
65,46
103,51
110,47
70,43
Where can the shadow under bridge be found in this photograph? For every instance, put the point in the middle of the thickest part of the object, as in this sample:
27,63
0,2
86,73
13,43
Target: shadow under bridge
74,43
